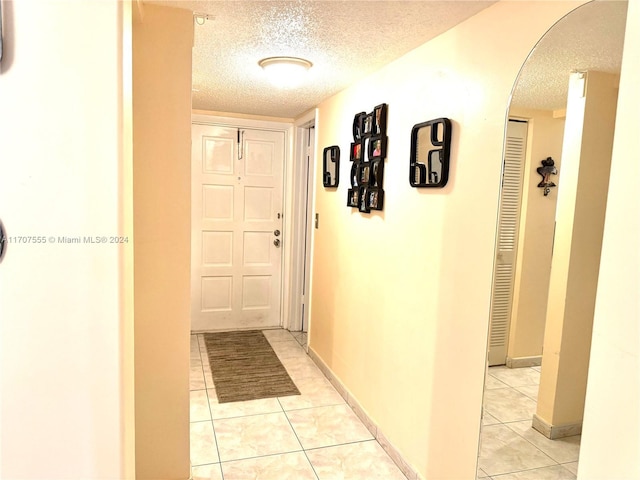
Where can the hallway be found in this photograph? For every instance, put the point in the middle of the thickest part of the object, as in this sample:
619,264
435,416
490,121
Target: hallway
313,436
509,448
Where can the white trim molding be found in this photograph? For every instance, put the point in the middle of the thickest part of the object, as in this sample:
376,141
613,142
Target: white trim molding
303,173
521,362
554,432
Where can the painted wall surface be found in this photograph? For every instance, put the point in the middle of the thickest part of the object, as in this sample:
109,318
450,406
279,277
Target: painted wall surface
62,313
162,43
400,298
611,429
586,150
535,240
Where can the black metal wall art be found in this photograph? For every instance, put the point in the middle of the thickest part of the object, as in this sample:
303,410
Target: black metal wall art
430,152
367,154
547,169
331,166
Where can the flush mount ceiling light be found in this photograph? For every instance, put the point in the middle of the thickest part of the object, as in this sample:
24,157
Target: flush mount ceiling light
285,71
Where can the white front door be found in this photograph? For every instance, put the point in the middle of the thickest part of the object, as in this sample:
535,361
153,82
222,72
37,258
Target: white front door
236,258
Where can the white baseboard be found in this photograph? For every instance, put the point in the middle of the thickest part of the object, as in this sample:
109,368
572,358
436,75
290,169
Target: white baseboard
520,362
554,432
402,464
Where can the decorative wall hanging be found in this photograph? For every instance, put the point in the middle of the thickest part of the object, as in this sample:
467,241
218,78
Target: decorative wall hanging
368,151
331,166
546,170
430,151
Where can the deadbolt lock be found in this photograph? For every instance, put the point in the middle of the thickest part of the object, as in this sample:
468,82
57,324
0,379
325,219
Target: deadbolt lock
276,233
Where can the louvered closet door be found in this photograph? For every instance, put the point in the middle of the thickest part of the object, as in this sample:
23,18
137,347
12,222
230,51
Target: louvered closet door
502,297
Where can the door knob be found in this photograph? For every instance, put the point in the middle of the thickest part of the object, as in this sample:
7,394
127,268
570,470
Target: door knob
276,242
276,233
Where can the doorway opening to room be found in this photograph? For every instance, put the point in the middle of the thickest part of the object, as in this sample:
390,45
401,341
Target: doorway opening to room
304,222
252,184
531,404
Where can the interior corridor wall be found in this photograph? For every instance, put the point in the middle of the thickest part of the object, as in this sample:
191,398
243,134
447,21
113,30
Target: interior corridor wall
535,237
611,425
400,298
162,41
586,150
62,314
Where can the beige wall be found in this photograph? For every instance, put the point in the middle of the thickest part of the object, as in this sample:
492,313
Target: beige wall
126,225
400,298
161,186
75,429
611,432
535,240
65,365
582,197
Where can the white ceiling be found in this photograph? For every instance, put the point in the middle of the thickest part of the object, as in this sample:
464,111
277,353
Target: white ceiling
589,38
346,40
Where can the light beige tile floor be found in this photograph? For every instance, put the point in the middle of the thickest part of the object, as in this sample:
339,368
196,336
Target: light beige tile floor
510,449
312,436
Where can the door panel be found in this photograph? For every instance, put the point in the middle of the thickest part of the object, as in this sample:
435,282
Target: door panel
258,204
217,202
218,156
216,294
508,222
217,249
236,266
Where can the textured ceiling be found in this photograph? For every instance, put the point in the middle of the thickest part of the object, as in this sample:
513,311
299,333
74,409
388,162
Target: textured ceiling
345,40
589,38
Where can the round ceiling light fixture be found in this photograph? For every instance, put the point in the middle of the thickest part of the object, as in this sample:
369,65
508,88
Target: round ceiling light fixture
285,72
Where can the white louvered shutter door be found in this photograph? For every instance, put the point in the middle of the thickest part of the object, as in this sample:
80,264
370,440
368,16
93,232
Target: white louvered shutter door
507,241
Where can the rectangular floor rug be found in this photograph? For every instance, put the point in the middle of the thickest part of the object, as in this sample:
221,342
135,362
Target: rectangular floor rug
245,367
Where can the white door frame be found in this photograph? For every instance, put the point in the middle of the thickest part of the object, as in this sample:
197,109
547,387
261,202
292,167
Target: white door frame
293,265
302,209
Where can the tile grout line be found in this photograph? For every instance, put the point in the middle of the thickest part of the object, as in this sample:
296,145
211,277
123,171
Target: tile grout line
190,390
405,468
304,451
282,409
197,390
534,445
213,427
506,424
242,416
301,450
